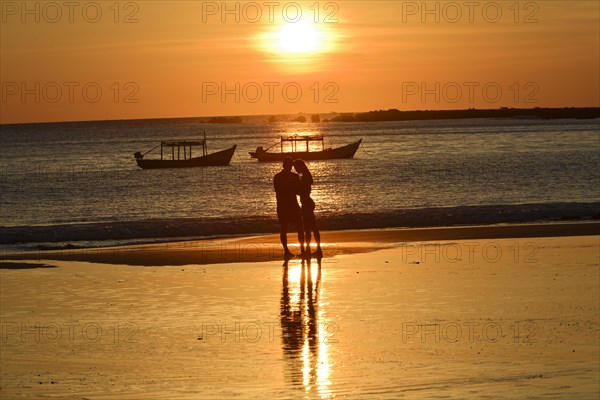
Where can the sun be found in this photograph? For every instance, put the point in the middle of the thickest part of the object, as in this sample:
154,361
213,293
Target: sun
297,47
299,37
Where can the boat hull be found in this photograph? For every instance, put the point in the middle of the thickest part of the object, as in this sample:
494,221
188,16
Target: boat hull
222,157
329,154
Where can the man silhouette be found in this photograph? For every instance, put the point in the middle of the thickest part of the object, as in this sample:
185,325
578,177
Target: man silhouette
287,184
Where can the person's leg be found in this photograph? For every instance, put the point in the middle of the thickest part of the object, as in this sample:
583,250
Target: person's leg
307,237
317,235
283,237
300,227
308,224
315,230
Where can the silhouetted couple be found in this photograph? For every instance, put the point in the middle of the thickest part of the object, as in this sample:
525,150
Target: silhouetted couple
289,185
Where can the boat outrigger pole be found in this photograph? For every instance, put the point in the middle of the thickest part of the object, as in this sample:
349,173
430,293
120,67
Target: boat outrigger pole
139,155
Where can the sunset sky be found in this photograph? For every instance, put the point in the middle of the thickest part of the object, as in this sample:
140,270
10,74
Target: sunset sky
160,59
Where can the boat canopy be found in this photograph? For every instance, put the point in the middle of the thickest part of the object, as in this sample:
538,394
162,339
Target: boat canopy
186,145
182,144
294,139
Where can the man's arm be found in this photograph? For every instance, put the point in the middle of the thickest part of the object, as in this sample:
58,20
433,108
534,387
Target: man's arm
277,182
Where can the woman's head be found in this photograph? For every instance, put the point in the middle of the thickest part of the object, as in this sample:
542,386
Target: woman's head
300,166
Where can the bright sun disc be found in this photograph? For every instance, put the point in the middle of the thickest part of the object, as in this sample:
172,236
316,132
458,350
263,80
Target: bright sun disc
298,37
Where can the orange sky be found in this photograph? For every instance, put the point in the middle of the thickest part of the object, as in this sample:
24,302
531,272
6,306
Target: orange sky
158,59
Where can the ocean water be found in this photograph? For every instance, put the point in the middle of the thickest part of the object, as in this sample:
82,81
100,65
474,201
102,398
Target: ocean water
78,183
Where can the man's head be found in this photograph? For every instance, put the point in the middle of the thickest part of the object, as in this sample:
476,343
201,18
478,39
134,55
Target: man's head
288,163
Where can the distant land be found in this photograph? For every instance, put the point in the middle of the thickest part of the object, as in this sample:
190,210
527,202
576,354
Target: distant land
372,116
397,115
225,120
503,112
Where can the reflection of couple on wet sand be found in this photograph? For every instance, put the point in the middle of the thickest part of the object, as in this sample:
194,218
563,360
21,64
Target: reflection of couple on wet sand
305,361
288,185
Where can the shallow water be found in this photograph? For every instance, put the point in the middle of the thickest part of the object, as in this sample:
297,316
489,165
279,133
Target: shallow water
78,182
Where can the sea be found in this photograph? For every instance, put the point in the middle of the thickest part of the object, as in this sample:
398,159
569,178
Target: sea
77,184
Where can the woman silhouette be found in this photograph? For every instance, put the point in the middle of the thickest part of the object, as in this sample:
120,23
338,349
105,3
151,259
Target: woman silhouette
308,206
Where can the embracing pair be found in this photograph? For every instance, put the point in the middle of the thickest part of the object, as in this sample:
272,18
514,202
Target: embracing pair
289,185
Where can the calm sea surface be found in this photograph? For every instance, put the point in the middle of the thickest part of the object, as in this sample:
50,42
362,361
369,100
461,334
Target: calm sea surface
78,182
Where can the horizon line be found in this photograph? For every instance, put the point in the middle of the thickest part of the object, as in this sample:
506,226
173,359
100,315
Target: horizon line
298,113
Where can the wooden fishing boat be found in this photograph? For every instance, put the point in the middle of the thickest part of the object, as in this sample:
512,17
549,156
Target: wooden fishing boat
346,151
184,148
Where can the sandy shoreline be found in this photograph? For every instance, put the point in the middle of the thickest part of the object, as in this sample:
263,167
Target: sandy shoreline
267,247
513,313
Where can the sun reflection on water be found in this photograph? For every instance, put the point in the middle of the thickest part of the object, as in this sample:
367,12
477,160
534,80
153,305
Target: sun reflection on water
305,348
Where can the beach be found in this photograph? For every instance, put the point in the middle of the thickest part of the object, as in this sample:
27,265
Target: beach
446,153
507,311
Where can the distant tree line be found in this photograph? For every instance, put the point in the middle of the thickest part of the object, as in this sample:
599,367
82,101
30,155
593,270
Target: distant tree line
397,115
299,118
503,112
225,120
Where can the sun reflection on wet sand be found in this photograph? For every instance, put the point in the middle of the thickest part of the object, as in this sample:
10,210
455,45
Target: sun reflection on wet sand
305,349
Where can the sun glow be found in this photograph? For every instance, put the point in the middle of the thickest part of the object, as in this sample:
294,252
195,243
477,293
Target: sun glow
299,37
301,46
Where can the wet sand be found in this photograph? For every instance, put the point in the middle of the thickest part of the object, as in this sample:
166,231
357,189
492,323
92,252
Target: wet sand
427,314
268,248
